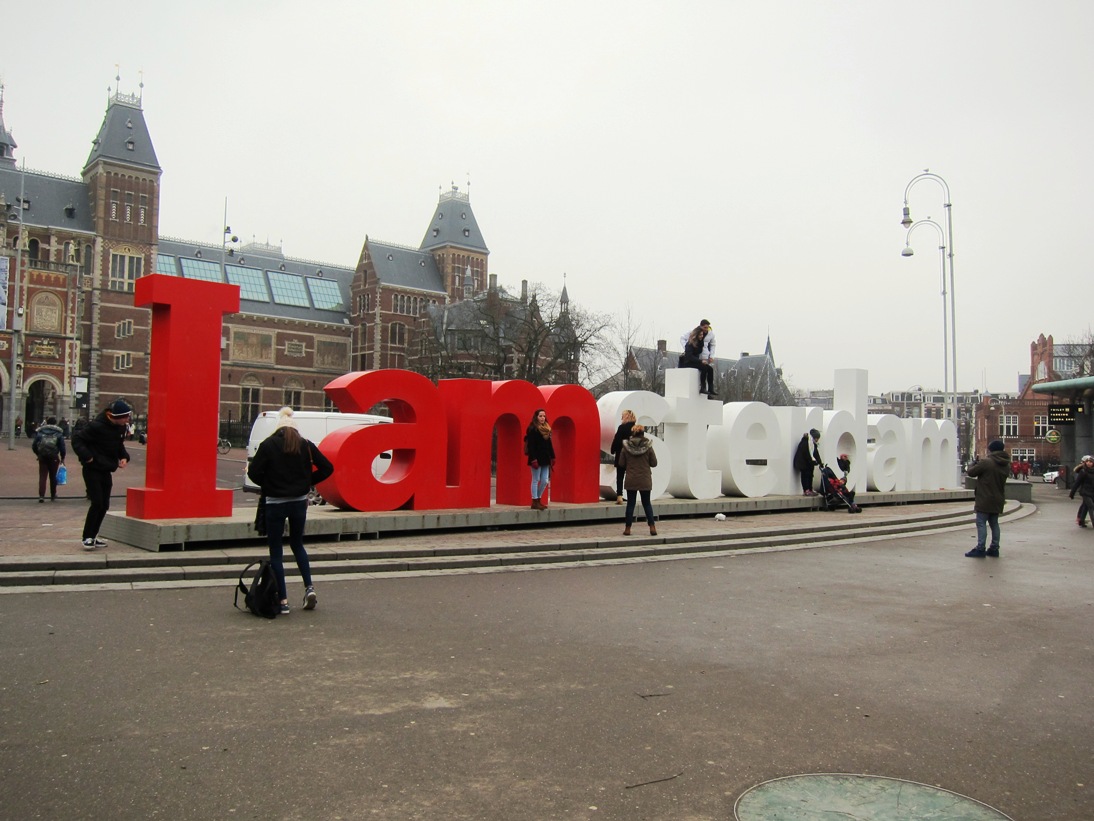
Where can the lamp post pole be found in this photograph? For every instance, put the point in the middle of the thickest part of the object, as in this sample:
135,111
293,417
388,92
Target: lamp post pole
907,252
907,223
17,309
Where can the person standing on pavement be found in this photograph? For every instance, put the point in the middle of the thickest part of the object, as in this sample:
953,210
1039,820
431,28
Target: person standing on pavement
541,456
990,498
100,447
804,462
49,447
285,467
639,460
1084,486
622,434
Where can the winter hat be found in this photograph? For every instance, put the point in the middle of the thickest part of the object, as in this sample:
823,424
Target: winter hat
284,418
996,445
119,408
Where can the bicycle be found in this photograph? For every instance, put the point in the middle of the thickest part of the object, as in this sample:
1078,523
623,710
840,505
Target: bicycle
223,445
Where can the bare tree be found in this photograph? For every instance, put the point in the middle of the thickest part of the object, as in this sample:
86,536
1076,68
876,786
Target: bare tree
541,339
1080,351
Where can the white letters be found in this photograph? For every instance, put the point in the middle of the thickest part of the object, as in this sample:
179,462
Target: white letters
747,448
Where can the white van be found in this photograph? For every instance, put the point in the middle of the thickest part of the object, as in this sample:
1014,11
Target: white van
313,425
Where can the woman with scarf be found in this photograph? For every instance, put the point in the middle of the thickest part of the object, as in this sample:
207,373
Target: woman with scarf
622,434
541,456
692,357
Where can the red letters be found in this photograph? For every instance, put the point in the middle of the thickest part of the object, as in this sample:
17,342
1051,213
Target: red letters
441,441
183,398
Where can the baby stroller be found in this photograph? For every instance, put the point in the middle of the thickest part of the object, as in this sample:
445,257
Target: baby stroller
834,489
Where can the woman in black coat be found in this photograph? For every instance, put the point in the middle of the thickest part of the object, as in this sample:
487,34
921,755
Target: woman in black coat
286,467
541,456
622,434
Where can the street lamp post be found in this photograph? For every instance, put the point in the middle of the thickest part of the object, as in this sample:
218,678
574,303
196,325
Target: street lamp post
907,252
17,307
948,241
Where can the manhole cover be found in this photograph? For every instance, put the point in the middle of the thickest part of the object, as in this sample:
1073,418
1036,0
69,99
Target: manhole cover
824,796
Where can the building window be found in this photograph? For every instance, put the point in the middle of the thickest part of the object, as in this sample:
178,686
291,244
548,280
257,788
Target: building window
292,396
1008,424
142,215
1023,455
128,206
124,329
125,270
397,335
1040,426
250,399
115,202
85,263
123,361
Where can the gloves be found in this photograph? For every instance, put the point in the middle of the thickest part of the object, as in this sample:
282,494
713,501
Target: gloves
535,464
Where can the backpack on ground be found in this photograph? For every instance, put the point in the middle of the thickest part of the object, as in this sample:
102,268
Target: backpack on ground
262,597
49,446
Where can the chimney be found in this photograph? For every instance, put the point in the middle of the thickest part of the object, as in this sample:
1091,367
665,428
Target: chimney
524,290
662,347
493,282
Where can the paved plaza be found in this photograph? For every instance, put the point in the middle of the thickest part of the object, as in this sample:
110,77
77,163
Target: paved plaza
651,690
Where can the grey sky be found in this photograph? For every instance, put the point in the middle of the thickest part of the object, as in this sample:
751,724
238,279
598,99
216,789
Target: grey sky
740,161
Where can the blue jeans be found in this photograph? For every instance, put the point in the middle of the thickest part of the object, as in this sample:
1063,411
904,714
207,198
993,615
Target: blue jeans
983,522
297,514
540,477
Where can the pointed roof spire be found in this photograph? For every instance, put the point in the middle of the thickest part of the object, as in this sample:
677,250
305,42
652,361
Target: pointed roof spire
7,141
564,299
454,224
123,137
767,348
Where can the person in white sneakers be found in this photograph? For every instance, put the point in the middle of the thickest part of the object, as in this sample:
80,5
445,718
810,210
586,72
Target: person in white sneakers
286,466
100,447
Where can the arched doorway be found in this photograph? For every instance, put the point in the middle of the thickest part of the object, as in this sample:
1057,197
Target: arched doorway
40,401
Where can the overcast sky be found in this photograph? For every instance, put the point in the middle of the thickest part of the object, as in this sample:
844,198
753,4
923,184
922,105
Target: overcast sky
745,162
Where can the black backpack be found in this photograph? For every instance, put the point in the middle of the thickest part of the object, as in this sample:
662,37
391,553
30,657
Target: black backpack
49,445
262,598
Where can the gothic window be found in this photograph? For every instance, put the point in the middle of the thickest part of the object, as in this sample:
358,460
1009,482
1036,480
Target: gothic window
397,335
250,399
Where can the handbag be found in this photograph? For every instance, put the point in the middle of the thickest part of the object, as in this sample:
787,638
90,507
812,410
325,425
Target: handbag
62,475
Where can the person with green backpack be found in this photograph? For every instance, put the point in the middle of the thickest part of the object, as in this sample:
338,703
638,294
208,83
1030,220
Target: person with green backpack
49,447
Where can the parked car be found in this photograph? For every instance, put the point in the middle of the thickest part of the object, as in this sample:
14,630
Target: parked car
1051,476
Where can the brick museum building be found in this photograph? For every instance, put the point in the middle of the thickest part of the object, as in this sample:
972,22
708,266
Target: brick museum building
72,248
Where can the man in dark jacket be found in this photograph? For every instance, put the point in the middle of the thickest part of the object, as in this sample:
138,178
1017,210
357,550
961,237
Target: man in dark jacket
100,448
991,481
804,461
49,447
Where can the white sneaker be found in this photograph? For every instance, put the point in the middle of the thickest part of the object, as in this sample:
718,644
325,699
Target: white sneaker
99,542
89,544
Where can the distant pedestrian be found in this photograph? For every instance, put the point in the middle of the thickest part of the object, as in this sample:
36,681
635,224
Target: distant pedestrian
18,425
804,461
990,498
1084,486
49,447
66,428
540,451
638,459
285,467
622,434
100,447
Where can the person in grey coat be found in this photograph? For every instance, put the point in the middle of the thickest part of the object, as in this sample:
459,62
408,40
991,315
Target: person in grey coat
991,474
637,458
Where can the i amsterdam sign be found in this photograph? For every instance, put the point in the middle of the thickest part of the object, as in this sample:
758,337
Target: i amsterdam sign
441,434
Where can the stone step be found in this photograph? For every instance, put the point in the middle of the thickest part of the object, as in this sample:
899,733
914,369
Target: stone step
496,550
